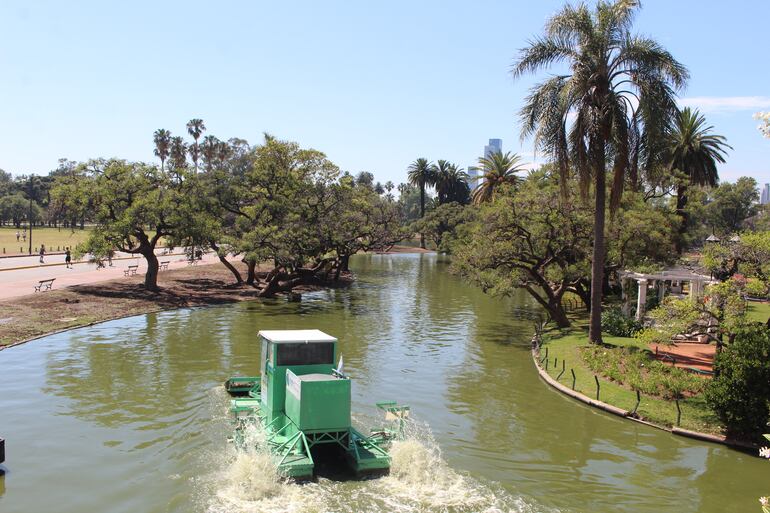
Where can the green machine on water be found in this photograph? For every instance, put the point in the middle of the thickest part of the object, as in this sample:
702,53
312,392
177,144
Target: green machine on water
303,404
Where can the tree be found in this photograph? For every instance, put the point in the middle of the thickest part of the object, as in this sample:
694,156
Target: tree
496,169
582,118
441,225
134,206
195,128
731,205
211,150
162,140
422,174
365,179
178,155
451,183
764,125
740,392
528,239
693,153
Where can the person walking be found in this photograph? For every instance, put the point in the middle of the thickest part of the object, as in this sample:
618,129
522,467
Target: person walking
42,252
68,258
17,235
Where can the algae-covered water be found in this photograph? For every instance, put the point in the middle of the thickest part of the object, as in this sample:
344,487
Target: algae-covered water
130,416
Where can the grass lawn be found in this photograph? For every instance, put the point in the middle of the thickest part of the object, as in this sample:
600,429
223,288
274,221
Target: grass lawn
53,238
565,345
759,312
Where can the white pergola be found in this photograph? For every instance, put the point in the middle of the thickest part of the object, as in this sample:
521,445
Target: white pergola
670,280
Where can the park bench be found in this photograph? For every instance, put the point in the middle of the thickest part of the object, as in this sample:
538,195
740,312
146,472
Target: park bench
164,265
131,271
44,285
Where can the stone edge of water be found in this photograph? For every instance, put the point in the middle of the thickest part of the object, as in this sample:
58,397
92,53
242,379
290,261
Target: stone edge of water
614,410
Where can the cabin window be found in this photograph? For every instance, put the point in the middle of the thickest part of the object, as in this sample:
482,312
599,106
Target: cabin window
305,354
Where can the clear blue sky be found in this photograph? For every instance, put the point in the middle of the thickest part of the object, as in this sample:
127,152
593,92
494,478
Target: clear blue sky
372,84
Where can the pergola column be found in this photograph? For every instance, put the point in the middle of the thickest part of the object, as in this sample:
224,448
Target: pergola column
661,290
641,299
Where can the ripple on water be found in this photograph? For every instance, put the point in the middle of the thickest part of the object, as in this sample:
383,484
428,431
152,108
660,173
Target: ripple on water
420,482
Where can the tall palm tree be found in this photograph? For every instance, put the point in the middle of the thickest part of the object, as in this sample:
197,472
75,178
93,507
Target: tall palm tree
451,183
162,140
195,128
177,154
422,173
694,152
495,170
582,117
210,151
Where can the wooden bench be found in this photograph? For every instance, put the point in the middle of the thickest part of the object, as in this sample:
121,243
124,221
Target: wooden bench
44,285
131,271
163,265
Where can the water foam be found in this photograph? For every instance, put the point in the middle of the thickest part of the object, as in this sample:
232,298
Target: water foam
420,481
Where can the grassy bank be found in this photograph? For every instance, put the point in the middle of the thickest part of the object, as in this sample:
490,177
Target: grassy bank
53,238
565,346
32,316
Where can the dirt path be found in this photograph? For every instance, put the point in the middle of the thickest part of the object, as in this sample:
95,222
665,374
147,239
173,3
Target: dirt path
685,354
34,315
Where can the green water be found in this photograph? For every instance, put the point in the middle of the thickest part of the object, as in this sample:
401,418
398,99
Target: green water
129,416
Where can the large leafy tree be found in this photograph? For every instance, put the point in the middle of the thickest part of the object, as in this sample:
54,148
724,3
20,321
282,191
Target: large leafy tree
528,239
581,118
133,205
694,151
422,174
495,170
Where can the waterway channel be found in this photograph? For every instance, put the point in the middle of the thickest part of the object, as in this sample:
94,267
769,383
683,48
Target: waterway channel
130,416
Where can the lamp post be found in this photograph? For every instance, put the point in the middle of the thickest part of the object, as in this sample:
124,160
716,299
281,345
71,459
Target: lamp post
29,216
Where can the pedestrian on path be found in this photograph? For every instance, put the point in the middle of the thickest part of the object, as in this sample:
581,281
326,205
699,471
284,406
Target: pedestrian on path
17,235
24,235
42,252
68,258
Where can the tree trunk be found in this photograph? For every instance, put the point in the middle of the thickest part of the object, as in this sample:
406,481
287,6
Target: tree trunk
251,272
597,265
345,263
422,213
681,203
558,315
151,278
230,267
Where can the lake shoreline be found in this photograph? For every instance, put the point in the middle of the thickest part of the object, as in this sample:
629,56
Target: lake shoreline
37,315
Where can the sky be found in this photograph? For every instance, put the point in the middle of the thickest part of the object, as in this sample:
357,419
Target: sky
374,85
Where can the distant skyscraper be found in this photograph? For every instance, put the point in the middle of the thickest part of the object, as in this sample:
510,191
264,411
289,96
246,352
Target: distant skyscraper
494,146
764,199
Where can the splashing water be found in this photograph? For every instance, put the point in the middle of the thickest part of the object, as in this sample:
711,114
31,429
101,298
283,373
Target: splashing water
420,481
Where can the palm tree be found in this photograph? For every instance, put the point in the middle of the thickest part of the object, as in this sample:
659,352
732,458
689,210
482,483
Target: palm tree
162,140
210,151
582,118
495,170
178,155
195,128
421,173
693,154
451,183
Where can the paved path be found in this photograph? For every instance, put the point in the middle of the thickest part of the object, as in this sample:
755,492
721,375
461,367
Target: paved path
20,279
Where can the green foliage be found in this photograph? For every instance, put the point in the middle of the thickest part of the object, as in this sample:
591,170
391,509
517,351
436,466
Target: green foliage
637,369
617,324
722,307
740,390
528,239
731,204
441,225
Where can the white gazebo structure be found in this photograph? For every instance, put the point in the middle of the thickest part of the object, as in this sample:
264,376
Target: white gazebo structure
672,281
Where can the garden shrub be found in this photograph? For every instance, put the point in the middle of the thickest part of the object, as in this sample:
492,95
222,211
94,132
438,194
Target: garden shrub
617,324
638,370
740,391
